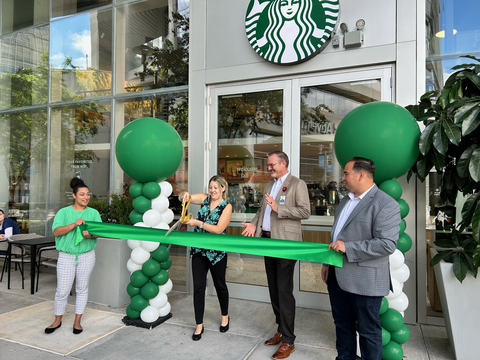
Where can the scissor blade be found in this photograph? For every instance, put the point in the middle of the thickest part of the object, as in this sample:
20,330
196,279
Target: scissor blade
176,225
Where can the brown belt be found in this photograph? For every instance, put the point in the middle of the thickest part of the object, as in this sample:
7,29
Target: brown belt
266,234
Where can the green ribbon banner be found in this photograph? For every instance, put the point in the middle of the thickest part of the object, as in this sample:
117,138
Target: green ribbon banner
286,249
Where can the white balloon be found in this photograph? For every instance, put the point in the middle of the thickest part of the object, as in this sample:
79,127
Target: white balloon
167,287
163,311
166,188
162,226
139,255
400,303
402,273
160,300
141,224
132,244
167,216
397,290
150,245
160,203
132,266
396,259
152,217
402,313
149,314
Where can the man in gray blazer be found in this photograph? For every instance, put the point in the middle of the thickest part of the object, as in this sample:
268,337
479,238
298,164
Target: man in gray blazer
284,205
365,229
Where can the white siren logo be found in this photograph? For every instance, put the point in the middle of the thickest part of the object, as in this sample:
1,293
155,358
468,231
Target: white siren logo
290,31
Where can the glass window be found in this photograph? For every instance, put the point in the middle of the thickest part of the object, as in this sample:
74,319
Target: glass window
152,38
24,68
17,15
81,56
23,177
80,146
69,7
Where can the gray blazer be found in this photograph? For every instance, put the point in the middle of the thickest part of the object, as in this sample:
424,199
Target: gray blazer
370,235
286,224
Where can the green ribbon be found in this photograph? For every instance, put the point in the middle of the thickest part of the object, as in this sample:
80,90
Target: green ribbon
286,249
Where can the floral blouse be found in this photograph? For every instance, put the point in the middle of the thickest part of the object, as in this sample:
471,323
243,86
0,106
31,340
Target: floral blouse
209,217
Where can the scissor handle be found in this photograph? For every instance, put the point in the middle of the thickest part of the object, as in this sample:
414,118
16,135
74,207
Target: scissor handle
184,217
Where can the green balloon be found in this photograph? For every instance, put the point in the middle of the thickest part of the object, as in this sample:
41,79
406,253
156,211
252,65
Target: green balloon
401,336
392,188
132,290
167,263
138,278
392,351
403,226
384,305
150,290
151,190
135,189
404,208
141,204
151,267
383,132
404,242
386,337
161,278
391,320
135,217
132,314
149,149
138,302
160,254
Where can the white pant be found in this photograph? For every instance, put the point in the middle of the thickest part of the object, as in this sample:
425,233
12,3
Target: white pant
68,269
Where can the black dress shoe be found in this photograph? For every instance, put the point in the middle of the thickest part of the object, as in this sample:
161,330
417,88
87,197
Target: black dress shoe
77,331
50,330
226,327
196,337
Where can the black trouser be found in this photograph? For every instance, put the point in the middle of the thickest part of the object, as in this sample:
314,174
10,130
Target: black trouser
200,267
280,286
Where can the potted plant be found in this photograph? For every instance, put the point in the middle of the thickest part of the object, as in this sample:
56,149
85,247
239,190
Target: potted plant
450,143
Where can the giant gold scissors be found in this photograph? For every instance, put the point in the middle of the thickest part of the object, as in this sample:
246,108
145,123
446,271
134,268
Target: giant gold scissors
184,217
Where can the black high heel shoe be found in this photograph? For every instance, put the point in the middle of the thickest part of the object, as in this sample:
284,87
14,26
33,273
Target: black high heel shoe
50,330
196,337
77,331
226,327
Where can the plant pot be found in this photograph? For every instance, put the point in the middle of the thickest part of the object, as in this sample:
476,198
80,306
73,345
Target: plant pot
460,310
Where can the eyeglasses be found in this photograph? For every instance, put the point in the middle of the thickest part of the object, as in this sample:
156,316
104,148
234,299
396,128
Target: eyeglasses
272,165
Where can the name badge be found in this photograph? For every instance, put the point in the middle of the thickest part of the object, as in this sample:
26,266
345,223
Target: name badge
282,200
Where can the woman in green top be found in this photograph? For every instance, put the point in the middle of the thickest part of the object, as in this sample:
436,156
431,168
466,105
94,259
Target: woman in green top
74,261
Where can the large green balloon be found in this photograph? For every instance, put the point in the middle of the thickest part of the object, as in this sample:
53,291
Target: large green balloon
151,267
135,189
392,351
404,242
132,314
132,290
149,149
167,263
383,132
384,305
141,204
161,278
138,278
386,337
403,226
391,320
392,188
401,336
404,208
135,217
138,303
151,190
160,254
149,290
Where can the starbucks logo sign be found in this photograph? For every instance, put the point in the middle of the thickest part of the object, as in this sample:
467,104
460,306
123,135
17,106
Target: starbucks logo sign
290,31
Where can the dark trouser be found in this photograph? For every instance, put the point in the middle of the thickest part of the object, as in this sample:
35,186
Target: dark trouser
351,313
200,267
280,286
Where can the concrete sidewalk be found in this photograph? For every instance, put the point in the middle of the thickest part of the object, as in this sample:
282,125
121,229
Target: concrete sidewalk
251,324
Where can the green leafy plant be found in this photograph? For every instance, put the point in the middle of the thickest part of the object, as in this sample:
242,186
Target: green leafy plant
114,209
450,142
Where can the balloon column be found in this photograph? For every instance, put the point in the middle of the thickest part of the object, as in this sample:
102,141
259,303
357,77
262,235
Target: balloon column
149,151
387,134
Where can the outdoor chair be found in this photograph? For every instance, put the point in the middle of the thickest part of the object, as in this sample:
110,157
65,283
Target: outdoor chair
18,255
47,256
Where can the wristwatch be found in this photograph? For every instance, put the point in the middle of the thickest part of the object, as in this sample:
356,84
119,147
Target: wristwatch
201,226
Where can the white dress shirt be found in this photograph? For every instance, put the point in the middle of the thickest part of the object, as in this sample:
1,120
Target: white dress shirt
277,185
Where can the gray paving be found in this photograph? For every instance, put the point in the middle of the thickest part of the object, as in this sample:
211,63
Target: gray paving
251,324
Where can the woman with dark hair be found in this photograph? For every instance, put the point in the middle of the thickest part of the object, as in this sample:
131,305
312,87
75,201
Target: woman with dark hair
213,217
75,262
8,227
